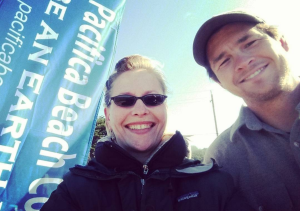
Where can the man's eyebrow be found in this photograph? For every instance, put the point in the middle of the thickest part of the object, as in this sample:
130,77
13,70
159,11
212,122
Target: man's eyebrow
218,58
243,39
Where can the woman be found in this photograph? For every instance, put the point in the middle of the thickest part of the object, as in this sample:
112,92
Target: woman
137,167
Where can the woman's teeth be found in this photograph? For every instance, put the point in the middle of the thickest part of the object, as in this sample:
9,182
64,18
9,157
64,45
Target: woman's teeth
139,127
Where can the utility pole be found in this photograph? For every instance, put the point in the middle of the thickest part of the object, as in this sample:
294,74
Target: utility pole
213,106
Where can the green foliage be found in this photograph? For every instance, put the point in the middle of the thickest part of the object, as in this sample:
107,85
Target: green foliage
100,132
197,153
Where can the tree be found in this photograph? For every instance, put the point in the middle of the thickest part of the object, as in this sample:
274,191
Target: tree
100,132
197,153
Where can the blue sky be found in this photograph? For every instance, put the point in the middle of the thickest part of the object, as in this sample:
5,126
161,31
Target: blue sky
164,30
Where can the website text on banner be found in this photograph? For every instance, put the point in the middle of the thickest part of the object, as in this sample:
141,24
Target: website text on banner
55,56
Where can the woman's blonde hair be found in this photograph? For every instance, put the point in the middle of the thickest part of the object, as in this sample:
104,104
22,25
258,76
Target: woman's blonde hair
134,62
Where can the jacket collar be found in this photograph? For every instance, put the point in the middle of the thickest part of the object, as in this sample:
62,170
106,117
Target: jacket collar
115,158
169,161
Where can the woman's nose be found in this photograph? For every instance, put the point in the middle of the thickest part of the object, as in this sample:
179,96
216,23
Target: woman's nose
139,108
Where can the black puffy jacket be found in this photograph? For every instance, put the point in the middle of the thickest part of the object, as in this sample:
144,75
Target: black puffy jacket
115,181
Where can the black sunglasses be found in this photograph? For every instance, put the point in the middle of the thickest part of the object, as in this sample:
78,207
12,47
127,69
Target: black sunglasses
148,100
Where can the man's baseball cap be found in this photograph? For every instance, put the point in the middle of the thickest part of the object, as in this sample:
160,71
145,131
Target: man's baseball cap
212,25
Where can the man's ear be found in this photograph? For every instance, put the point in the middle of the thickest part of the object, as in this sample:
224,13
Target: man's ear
284,43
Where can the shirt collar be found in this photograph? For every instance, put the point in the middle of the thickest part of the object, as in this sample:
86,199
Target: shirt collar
252,122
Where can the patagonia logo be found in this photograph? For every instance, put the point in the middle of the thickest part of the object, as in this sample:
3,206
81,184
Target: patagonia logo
188,196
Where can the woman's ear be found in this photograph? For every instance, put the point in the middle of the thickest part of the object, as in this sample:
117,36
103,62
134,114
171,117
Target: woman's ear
106,113
107,121
107,118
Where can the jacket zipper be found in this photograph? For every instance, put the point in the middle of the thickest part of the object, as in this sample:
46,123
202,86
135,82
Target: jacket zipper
146,169
145,166
143,183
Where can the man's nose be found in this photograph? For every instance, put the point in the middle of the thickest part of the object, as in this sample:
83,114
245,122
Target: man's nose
243,61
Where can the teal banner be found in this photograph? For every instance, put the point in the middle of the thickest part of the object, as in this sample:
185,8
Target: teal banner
55,56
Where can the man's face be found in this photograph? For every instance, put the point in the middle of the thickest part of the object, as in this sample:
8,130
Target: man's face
247,62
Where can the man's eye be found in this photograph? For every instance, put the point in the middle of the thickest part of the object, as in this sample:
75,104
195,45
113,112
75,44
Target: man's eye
250,43
224,62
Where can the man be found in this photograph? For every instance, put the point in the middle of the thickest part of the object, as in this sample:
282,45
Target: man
261,149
